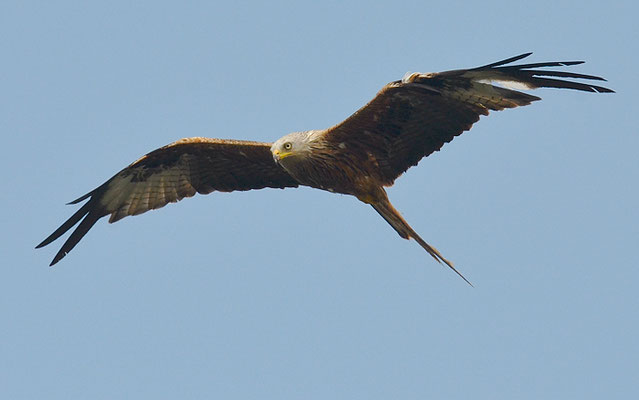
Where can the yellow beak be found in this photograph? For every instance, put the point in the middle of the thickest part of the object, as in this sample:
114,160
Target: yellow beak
279,155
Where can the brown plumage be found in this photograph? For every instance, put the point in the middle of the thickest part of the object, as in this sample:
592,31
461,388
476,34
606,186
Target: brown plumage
171,173
407,120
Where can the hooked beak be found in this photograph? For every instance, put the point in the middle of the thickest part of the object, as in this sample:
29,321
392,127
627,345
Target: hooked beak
277,155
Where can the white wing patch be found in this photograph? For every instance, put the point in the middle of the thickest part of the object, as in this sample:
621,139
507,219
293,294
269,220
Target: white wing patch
126,196
510,84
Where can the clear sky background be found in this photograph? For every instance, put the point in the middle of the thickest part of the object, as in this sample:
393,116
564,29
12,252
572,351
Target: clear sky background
303,294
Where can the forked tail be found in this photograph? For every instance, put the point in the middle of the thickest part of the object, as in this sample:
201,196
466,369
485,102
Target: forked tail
395,219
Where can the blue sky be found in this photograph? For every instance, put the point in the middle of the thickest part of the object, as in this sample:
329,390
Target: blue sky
302,293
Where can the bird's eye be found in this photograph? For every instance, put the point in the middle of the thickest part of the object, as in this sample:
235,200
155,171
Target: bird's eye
288,146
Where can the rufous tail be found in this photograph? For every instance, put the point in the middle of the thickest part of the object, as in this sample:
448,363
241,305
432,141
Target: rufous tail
395,219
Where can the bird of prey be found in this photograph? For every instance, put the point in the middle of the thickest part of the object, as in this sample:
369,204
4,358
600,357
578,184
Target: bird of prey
407,120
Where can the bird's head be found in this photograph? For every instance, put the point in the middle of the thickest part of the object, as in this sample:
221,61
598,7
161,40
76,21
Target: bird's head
292,146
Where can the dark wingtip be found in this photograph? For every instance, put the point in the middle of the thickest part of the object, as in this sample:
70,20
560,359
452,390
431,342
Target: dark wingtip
68,224
81,198
530,74
568,63
600,89
87,215
506,61
59,256
76,236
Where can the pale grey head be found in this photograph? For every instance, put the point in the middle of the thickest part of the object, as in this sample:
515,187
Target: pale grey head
294,146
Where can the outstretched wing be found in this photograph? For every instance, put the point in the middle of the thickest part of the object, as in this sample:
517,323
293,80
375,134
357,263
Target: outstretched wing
411,118
171,173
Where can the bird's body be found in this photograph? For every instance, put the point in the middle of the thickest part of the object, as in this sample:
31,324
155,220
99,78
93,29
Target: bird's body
407,120
336,169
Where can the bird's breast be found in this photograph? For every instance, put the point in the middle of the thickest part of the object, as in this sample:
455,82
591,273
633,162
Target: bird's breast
332,172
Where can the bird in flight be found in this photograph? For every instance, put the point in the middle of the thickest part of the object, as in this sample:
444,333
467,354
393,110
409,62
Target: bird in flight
407,120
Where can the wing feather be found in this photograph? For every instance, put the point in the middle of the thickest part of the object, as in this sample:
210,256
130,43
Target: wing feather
414,117
171,173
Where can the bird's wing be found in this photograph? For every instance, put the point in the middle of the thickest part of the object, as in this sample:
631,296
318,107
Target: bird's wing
171,173
411,118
